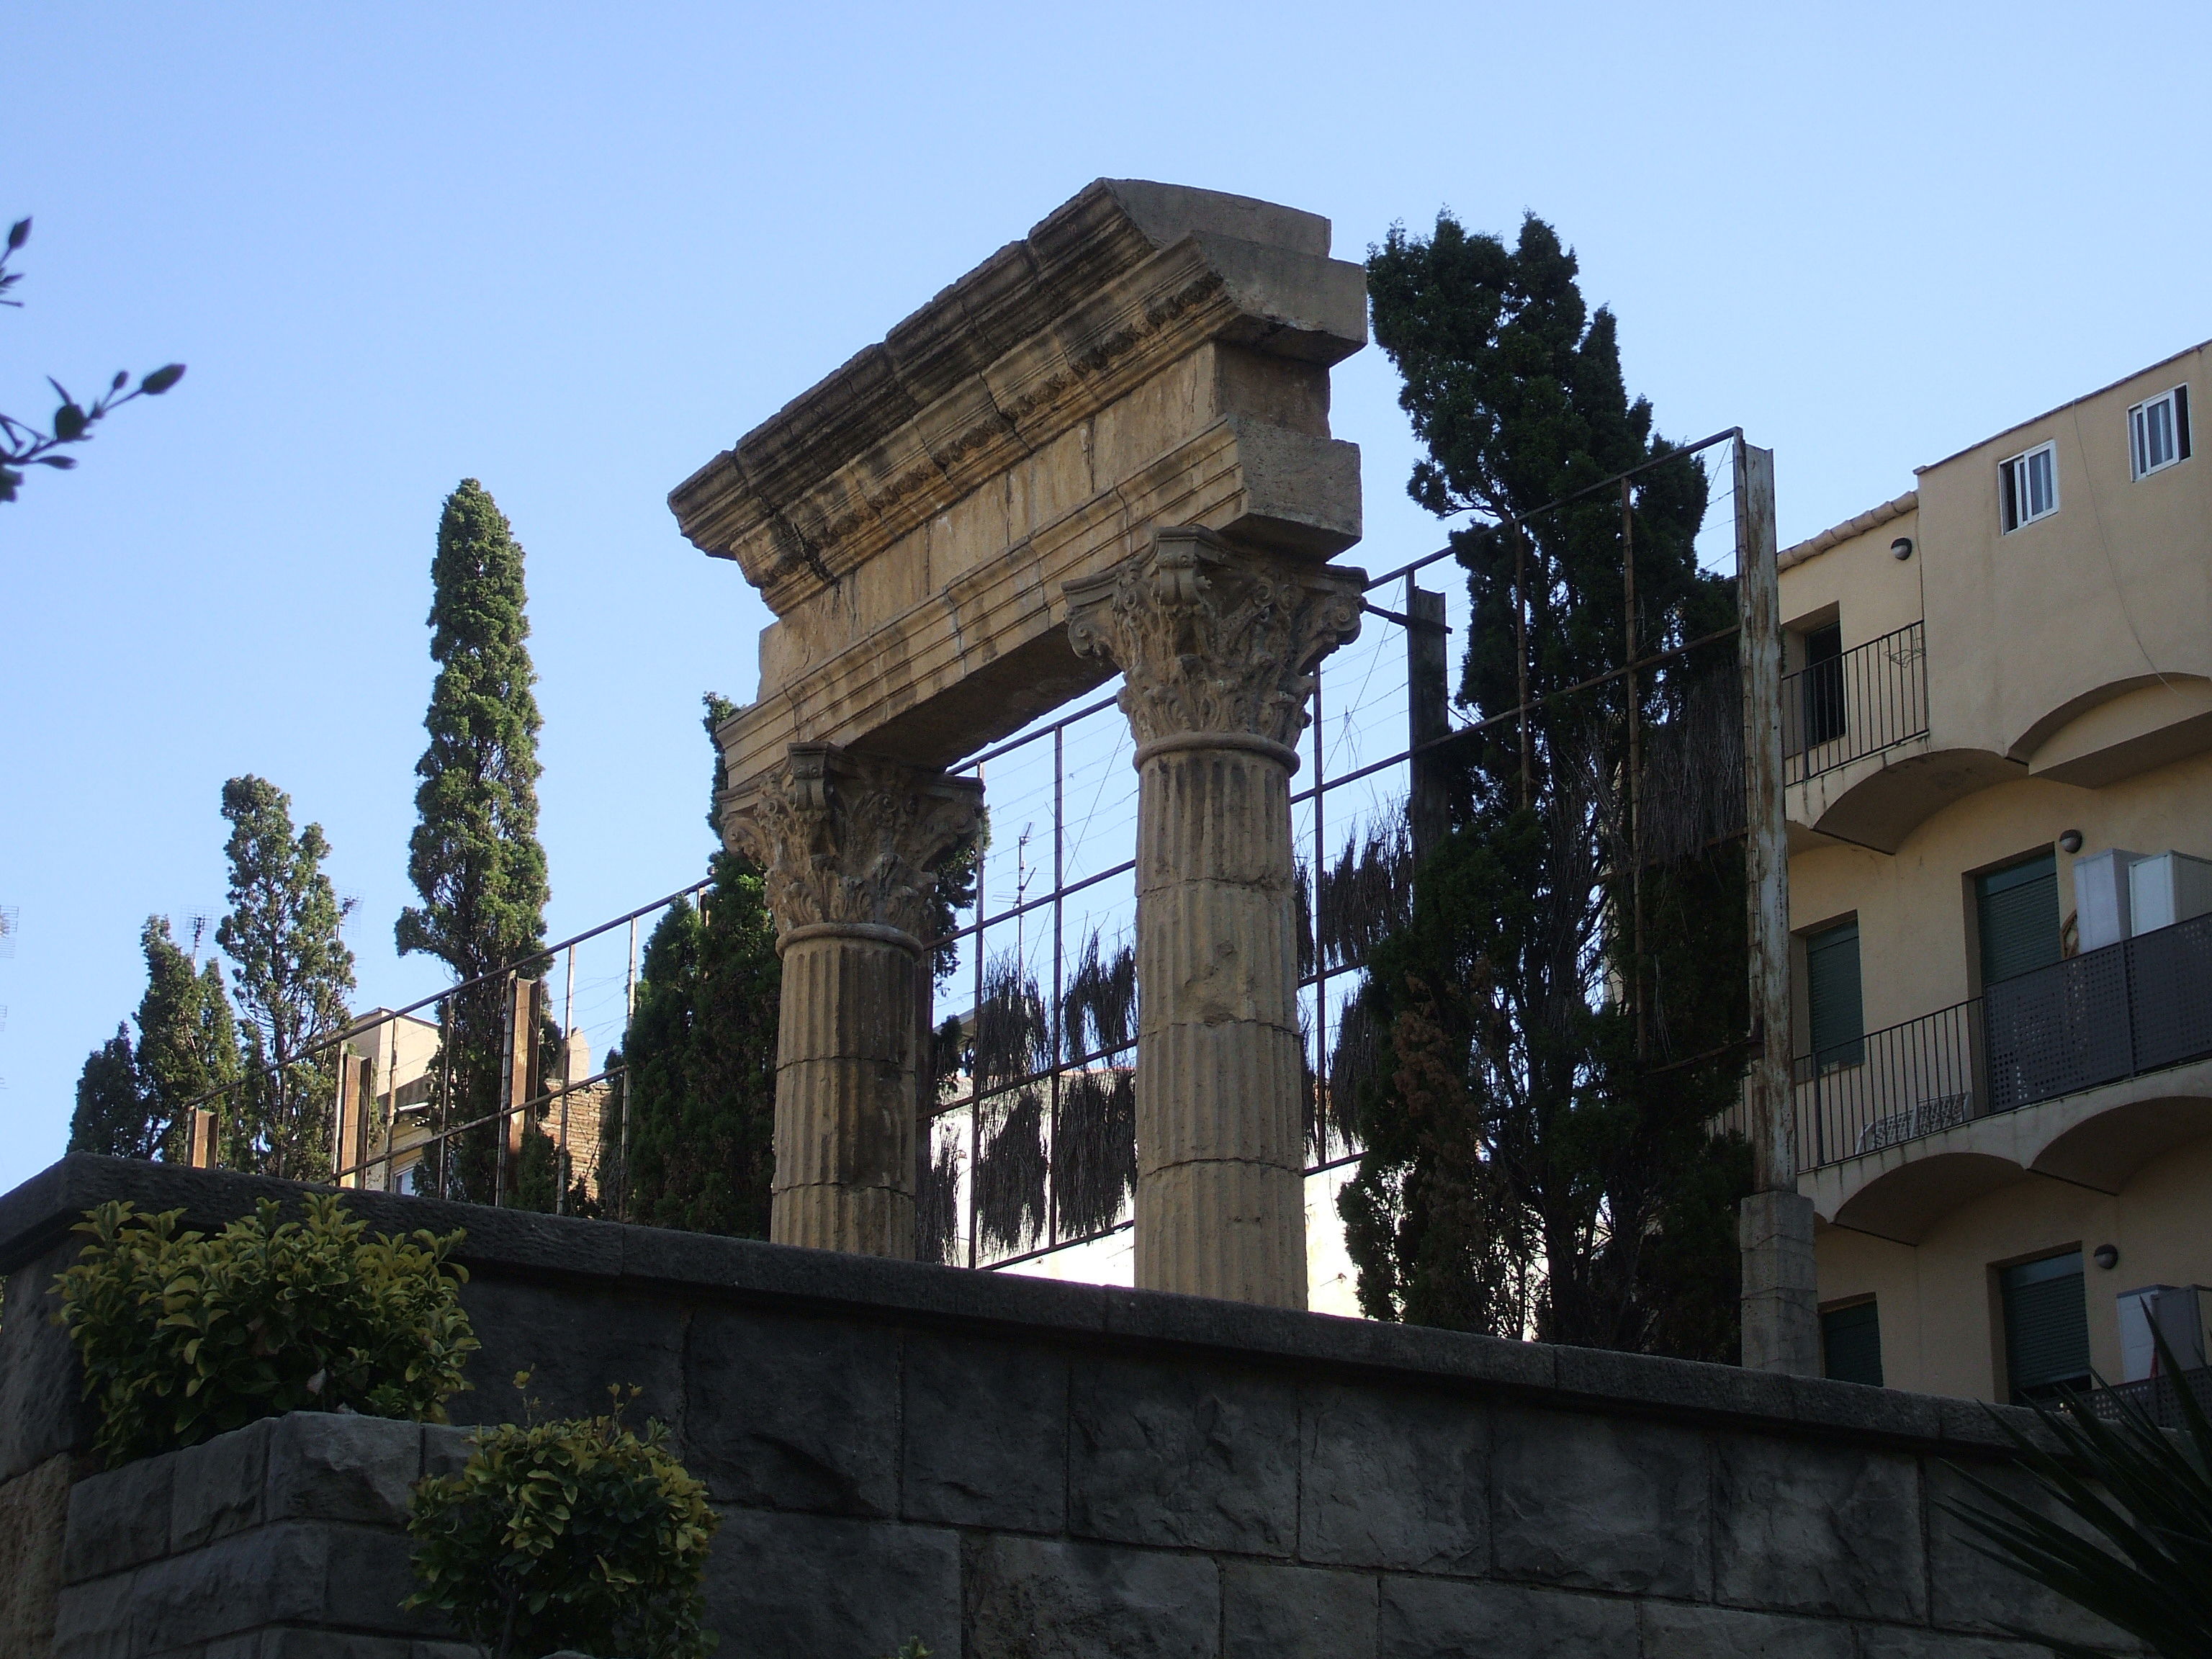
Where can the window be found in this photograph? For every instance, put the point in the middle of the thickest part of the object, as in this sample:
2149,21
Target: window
1831,996
2046,1322
2158,432
1822,686
2017,908
1851,1344
2028,485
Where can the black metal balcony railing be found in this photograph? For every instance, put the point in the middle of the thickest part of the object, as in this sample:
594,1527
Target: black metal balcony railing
1872,698
2140,1006
2159,1396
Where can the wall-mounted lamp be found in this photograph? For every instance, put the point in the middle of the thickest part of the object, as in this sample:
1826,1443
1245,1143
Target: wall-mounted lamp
2106,1256
1901,548
2070,842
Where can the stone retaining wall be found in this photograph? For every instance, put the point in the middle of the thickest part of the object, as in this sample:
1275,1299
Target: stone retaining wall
1016,1469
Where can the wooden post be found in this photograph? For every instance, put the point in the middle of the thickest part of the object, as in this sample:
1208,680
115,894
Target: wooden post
1781,1321
1428,717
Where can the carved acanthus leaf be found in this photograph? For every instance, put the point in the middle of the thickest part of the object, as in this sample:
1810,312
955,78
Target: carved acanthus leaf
1211,638
846,837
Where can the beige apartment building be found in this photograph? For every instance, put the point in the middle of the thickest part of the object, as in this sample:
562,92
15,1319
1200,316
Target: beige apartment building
1998,724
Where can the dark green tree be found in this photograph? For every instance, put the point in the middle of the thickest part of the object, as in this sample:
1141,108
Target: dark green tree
700,1056
113,1117
1533,1165
291,973
475,857
188,1037
23,444
131,1098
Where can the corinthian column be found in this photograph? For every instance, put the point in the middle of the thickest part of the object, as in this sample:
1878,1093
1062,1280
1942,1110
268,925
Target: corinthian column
848,842
1216,647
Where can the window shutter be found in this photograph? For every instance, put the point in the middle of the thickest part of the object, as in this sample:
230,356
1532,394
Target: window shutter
2046,1326
1850,1345
2018,916
1832,995
2181,422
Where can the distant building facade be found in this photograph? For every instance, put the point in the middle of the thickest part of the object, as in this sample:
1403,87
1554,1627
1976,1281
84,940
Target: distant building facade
1998,728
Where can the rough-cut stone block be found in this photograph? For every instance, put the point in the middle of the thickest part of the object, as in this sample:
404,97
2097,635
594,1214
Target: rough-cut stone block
1392,1479
574,1342
795,1412
804,1587
1038,1599
329,1465
271,1575
34,1522
986,1434
1296,1613
1806,1528
1601,1503
318,1645
118,1519
1858,1409
371,1573
1184,1453
220,1486
1683,1385
1903,1641
1441,1619
1972,1592
1673,1631
42,1408
92,1620
446,1446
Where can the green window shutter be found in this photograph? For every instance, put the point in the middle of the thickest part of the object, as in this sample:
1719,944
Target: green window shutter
2019,914
2047,1327
1851,1341
1832,995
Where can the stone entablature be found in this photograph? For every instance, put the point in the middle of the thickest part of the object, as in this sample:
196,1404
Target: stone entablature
1148,356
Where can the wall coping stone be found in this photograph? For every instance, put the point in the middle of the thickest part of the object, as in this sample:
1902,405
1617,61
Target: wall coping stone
514,1244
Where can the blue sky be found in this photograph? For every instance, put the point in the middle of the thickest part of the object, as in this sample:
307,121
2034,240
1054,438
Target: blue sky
574,251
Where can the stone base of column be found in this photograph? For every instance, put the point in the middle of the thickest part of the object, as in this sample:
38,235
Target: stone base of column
845,1093
1780,1309
1225,1229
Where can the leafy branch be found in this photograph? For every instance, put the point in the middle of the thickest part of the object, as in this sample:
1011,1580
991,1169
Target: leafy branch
23,444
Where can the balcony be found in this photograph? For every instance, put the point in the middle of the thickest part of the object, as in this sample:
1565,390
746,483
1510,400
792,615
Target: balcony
1871,698
2085,1070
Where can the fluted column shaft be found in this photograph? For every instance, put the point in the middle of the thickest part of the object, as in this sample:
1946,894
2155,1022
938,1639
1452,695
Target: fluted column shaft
1217,646
848,842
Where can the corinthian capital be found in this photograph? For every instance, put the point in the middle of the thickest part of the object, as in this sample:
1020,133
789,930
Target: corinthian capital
850,840
1212,638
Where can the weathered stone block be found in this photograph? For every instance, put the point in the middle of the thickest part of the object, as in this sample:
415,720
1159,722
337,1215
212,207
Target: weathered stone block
446,1446
34,1523
1902,1642
1807,1528
1039,1599
1296,1613
330,1466
986,1434
219,1486
1673,1631
1440,1619
1393,1480
1972,1592
795,1412
1184,1453
92,1620
803,1587
573,1341
1601,1503
116,1519
42,1408
269,1575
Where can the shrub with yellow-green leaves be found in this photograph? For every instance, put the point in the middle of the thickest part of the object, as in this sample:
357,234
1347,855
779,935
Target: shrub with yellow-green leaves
184,1336
576,1535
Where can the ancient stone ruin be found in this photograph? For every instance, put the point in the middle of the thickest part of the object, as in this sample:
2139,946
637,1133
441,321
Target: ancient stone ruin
1104,449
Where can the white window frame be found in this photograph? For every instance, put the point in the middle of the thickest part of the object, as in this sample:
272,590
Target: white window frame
2013,473
2176,400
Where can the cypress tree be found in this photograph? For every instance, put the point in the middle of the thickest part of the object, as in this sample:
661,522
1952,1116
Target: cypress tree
1526,1168
699,1054
291,972
474,856
131,1099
